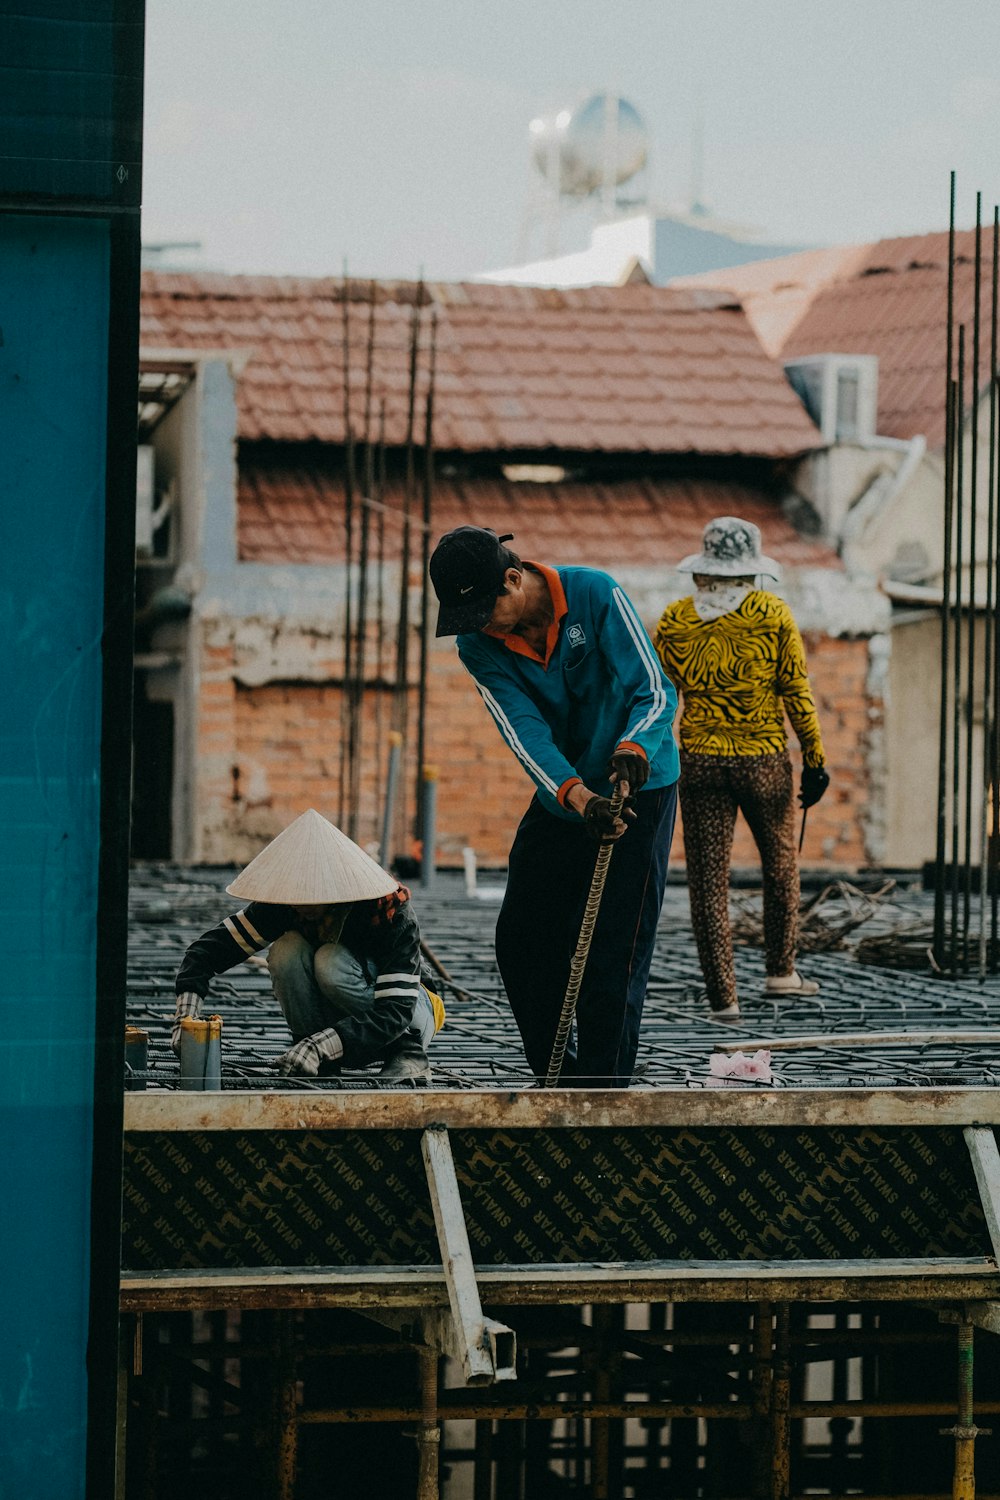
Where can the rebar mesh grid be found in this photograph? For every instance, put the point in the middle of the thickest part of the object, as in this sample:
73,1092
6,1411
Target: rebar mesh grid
479,1046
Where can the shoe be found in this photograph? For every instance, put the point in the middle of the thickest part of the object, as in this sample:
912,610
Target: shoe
729,1012
408,1064
790,984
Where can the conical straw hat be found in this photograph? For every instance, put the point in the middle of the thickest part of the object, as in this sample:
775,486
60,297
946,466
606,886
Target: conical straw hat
310,863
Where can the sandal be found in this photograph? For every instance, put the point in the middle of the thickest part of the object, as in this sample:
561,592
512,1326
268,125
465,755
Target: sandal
725,1012
790,984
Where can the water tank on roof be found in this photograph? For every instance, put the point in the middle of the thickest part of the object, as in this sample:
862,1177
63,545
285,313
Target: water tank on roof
595,147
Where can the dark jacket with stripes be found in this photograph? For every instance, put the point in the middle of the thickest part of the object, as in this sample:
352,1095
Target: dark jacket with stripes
384,931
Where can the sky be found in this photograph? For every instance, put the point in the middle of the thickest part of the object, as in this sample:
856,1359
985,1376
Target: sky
290,136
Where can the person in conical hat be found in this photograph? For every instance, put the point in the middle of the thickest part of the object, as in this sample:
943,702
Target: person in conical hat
344,955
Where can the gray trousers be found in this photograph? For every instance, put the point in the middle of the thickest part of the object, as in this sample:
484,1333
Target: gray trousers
317,987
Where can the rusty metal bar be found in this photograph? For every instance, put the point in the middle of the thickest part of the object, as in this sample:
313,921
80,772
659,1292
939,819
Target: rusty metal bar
286,1414
429,1432
378,505
425,551
600,1435
991,726
781,1430
482,1475
942,788
956,729
401,703
989,628
540,1411
970,692
762,1384
344,773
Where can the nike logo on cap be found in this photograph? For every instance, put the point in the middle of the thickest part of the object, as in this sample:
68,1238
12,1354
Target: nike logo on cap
468,590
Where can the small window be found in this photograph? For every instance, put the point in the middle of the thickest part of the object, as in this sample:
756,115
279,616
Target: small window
847,405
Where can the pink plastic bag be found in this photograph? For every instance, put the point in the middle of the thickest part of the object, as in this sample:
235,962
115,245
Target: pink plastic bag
729,1069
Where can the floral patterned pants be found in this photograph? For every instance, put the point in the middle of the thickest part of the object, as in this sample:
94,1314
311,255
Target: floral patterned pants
713,788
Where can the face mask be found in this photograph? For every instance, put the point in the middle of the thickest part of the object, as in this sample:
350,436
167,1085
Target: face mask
720,597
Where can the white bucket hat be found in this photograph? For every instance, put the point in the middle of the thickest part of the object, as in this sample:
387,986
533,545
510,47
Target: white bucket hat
312,863
730,549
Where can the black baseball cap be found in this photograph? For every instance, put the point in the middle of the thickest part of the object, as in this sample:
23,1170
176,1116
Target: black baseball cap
467,568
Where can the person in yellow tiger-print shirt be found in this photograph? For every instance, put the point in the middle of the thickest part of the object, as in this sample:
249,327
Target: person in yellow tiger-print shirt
735,652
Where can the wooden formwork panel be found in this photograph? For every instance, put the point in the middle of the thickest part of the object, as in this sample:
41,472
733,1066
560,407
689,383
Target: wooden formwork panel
552,1194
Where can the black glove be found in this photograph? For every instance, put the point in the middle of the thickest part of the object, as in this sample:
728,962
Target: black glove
630,766
600,822
815,780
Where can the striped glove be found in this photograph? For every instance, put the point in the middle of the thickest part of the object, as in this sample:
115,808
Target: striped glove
188,1005
305,1057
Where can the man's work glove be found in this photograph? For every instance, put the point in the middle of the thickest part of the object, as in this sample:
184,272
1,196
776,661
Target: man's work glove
188,1008
815,780
630,766
604,825
305,1057
406,1062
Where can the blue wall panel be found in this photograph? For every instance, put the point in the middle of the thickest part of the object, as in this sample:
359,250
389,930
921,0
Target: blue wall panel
54,279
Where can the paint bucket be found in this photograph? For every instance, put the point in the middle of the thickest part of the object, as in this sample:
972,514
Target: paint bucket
136,1058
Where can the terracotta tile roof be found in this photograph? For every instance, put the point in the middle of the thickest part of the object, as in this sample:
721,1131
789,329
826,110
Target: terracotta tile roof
886,299
894,305
776,293
635,369
294,513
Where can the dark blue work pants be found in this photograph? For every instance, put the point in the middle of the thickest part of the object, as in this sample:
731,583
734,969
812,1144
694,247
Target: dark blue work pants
548,879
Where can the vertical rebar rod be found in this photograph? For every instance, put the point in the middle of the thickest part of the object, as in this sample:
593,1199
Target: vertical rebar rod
965,1430
781,1425
429,1435
345,703
994,751
989,695
600,1427
386,850
763,1372
380,495
482,1476
956,767
401,706
940,865
358,675
286,1409
970,697
425,550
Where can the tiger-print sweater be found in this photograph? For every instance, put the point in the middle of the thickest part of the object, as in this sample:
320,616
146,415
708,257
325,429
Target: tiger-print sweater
737,673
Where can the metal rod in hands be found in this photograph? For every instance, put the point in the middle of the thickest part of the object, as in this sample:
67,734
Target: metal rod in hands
579,960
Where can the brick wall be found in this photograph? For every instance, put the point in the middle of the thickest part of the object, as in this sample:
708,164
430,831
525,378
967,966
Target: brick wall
266,753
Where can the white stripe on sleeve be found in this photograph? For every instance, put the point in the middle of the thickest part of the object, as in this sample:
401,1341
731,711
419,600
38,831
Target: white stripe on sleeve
644,647
236,934
510,735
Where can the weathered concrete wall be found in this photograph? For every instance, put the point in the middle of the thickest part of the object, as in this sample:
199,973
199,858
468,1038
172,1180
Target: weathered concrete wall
269,747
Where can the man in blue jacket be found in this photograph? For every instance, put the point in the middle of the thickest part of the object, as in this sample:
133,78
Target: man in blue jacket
574,685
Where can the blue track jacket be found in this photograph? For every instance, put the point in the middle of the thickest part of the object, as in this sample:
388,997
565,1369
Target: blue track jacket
602,687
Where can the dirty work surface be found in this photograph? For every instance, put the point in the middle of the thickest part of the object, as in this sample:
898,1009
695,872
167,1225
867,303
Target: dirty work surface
480,1048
